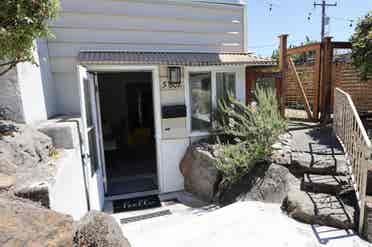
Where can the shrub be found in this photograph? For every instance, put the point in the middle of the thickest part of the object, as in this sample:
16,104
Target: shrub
362,46
236,160
250,130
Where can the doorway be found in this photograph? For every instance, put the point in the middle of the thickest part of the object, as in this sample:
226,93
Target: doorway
128,131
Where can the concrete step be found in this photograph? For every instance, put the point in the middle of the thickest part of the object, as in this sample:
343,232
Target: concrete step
328,184
309,163
320,209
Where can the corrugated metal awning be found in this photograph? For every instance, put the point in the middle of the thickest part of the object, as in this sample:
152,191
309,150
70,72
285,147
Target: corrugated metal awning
172,58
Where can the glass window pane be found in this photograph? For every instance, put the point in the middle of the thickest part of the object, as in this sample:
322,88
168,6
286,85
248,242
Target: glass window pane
92,151
225,84
88,102
201,100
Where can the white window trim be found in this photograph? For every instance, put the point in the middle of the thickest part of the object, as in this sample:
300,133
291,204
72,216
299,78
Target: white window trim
239,79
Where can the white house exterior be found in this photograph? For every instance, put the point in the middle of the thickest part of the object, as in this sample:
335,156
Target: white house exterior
205,41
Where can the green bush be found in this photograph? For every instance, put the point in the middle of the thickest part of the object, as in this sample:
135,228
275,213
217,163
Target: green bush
362,46
251,131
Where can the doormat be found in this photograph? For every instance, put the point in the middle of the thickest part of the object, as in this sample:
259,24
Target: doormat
125,205
145,216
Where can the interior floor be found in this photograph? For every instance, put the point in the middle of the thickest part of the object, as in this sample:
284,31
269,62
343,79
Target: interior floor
131,170
127,116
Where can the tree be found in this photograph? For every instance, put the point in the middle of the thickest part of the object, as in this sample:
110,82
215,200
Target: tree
21,22
362,46
275,55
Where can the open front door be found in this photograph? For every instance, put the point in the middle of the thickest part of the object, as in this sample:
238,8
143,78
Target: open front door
92,143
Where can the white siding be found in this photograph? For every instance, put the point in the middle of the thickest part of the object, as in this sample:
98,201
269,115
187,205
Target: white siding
157,25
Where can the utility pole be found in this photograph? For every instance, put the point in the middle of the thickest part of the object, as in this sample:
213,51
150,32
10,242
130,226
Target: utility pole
324,4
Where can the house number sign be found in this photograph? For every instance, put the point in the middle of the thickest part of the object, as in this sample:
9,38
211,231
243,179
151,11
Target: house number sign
174,78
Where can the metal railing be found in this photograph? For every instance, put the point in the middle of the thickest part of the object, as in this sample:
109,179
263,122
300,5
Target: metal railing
352,135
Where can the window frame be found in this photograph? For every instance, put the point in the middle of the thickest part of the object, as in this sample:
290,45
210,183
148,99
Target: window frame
210,98
239,77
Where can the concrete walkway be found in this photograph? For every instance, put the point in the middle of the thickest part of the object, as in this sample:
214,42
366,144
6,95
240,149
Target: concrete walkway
240,224
246,223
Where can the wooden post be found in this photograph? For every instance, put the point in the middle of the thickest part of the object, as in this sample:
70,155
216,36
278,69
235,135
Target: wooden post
283,67
317,78
326,77
249,84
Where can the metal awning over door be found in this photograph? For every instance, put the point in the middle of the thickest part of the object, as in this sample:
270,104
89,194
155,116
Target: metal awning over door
172,58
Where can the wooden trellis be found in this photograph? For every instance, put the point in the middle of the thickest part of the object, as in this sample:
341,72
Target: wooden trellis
318,104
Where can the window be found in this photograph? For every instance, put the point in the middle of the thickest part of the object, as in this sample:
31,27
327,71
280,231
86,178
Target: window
225,84
206,89
201,100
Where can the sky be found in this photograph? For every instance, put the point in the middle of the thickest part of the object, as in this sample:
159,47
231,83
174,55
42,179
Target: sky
290,17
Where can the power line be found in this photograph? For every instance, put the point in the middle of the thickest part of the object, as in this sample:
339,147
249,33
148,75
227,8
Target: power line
350,21
324,4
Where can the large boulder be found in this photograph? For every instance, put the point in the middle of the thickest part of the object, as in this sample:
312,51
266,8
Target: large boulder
99,229
320,209
6,181
26,224
201,176
265,182
23,146
25,155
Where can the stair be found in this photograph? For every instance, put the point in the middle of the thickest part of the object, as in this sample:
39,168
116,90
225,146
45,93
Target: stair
325,196
327,184
326,164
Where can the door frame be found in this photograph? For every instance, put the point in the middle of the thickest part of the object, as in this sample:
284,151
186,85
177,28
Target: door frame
95,192
157,109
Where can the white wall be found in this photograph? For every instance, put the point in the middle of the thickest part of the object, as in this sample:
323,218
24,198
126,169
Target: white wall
10,96
67,193
28,90
36,86
47,79
32,92
161,25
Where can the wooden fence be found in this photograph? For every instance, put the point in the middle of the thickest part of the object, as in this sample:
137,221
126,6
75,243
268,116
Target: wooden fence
352,135
344,76
309,82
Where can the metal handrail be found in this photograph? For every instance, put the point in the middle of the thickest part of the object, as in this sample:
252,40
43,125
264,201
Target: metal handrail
352,135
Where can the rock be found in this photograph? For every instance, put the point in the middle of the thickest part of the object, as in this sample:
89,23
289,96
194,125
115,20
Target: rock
201,176
26,224
25,147
6,167
38,192
282,150
24,154
321,209
6,181
99,229
265,182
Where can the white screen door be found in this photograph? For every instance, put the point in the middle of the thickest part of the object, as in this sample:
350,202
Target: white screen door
91,134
